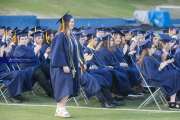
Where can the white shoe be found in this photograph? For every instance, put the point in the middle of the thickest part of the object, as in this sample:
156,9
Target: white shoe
62,112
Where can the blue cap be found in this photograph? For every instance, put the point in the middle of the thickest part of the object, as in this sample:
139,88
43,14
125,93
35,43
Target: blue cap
165,37
37,28
22,33
38,33
8,28
2,27
104,38
149,35
87,50
66,17
91,32
145,44
118,31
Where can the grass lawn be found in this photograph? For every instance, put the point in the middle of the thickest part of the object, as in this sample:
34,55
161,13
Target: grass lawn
43,109
47,113
79,8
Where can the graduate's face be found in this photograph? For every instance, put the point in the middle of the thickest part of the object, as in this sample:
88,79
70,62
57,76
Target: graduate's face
71,24
39,40
112,43
128,36
10,32
117,39
23,40
172,31
1,31
155,41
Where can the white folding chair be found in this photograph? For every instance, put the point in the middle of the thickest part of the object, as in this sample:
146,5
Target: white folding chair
154,95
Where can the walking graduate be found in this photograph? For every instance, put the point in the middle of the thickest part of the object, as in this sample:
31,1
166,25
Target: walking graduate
66,60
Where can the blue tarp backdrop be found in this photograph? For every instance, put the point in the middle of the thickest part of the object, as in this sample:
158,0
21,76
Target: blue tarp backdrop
31,21
23,21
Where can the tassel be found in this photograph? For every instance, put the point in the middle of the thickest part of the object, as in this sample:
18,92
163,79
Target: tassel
14,38
46,38
62,25
90,45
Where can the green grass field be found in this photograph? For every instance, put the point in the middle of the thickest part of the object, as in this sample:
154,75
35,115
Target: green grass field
47,113
79,8
40,107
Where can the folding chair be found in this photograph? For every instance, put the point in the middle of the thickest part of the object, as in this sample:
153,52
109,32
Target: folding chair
15,65
153,95
157,94
82,95
3,90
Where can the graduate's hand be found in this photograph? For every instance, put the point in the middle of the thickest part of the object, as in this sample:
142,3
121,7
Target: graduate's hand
47,53
124,65
66,69
88,57
85,67
132,52
139,61
48,50
111,67
37,49
162,65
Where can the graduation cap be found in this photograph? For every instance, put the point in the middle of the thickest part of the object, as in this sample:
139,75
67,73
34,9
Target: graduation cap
2,27
118,31
165,30
8,28
88,51
100,29
23,33
104,38
149,35
38,33
125,31
65,18
165,37
91,32
145,44
36,28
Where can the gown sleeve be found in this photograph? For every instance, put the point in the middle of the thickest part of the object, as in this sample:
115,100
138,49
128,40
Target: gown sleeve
58,56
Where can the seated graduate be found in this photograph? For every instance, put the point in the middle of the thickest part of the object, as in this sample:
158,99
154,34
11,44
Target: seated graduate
120,49
157,66
9,46
106,54
95,82
42,52
16,83
35,73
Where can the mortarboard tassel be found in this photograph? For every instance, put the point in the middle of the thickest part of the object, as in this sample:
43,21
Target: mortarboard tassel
62,26
14,39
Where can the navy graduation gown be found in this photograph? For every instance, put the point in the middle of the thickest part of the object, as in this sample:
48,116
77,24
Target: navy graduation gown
90,84
18,82
133,73
168,78
120,81
26,52
63,84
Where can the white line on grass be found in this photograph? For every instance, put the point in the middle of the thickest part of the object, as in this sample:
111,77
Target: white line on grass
93,108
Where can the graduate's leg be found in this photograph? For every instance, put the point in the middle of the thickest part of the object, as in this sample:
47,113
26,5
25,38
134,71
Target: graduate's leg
61,110
108,95
172,103
63,101
173,98
43,81
103,100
